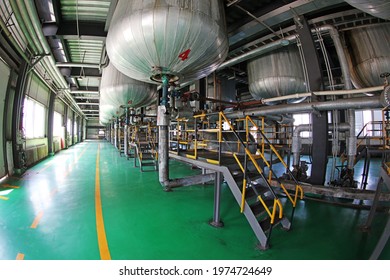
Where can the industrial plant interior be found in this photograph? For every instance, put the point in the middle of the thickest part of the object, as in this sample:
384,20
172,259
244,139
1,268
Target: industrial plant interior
195,129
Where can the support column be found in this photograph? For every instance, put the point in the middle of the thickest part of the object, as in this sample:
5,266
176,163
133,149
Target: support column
17,120
66,126
216,222
50,124
72,128
319,119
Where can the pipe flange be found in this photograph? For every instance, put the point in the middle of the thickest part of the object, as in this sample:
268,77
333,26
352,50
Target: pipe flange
385,96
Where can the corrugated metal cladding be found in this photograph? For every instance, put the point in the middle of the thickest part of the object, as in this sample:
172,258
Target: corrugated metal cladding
37,90
85,10
85,51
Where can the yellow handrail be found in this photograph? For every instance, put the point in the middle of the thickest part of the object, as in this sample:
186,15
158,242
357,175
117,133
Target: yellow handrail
298,188
277,204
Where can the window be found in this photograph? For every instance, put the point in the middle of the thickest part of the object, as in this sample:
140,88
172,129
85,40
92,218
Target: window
57,125
69,127
75,129
368,122
33,119
302,119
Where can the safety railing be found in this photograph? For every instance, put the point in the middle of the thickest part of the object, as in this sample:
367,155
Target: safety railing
386,127
151,136
248,155
271,174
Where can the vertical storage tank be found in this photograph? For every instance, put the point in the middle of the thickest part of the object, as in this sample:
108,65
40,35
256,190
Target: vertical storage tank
369,49
185,39
118,91
277,73
376,8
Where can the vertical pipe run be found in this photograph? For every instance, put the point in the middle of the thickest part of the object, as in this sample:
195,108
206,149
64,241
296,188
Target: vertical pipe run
116,133
163,156
112,133
216,222
163,137
126,142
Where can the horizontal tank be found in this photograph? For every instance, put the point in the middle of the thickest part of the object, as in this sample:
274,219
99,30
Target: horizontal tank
369,49
118,91
376,8
185,39
277,73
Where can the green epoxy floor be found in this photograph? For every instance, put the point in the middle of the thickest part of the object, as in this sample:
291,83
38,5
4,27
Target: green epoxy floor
143,222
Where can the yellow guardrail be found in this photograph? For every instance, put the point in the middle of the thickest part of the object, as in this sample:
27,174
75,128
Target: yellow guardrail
298,188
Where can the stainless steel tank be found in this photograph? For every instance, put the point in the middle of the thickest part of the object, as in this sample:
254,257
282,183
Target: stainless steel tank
276,74
369,49
118,91
184,39
376,8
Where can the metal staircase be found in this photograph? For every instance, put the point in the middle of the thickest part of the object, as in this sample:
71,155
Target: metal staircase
144,145
244,173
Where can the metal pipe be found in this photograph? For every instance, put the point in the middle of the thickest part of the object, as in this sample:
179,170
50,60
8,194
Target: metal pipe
116,133
74,64
192,180
334,34
26,30
352,103
324,93
163,136
258,51
41,42
163,156
296,139
84,92
125,140
13,41
216,222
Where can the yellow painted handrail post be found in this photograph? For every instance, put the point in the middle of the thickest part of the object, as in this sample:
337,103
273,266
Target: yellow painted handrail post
277,205
298,193
262,138
243,195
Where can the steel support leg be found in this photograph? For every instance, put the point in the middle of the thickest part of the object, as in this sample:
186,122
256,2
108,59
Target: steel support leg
216,222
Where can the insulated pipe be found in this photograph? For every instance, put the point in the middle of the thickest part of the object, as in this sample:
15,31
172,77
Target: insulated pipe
26,30
296,139
81,65
334,34
258,51
352,141
324,93
12,40
125,140
352,103
192,180
163,136
40,41
116,133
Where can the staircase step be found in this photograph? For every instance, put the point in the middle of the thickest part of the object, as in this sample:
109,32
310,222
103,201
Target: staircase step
148,164
250,193
265,224
258,208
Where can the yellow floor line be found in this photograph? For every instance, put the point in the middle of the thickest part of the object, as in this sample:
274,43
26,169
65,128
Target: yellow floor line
8,186
20,256
101,233
3,197
37,219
